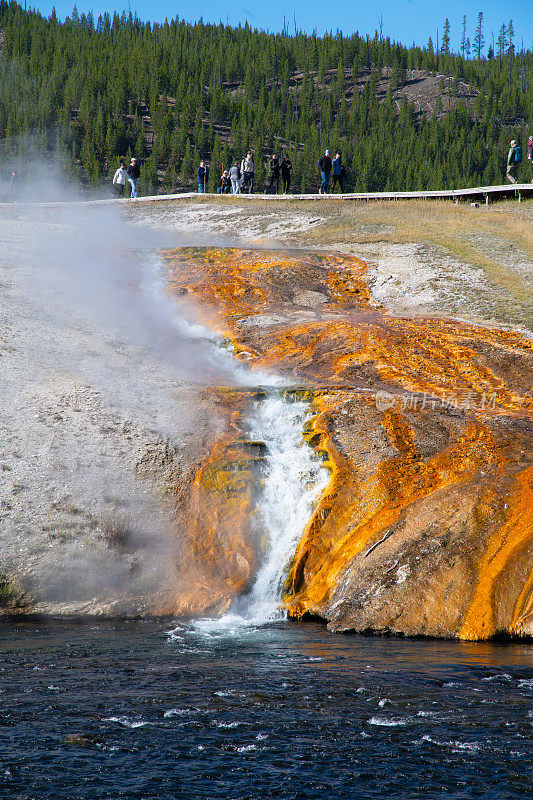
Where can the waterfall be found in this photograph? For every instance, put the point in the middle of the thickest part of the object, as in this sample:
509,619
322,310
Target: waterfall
294,476
292,484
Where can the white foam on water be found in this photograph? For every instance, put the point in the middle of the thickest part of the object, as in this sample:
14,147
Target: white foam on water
457,747
173,636
181,712
127,723
218,724
387,723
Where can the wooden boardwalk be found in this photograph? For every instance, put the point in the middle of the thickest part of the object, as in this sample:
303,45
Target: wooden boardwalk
483,194
480,194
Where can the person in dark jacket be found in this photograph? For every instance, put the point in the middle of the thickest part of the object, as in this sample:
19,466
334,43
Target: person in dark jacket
286,168
273,175
337,172
325,172
202,173
134,172
224,186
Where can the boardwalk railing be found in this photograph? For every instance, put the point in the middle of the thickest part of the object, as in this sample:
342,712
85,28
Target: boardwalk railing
485,194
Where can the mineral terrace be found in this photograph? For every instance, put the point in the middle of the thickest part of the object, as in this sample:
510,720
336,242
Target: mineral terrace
422,405
426,526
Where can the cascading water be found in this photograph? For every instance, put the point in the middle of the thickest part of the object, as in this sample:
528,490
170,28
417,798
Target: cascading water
293,482
294,476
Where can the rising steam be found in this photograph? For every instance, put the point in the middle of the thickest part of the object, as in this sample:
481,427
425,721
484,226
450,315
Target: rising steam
98,368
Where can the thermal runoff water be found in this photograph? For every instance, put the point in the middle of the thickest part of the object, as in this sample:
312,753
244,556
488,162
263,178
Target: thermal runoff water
293,483
294,477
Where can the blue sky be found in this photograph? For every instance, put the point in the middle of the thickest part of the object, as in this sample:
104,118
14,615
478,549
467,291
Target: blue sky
406,21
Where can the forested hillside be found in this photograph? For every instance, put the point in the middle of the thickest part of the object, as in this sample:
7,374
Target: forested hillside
170,94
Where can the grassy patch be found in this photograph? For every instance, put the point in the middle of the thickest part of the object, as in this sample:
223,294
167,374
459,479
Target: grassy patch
10,596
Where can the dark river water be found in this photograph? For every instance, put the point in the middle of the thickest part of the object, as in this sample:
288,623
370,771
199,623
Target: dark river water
225,710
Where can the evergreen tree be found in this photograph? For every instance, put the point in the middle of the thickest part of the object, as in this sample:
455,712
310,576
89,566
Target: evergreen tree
189,166
510,37
463,37
445,47
479,39
502,41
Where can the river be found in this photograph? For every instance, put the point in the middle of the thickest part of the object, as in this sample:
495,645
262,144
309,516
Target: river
240,711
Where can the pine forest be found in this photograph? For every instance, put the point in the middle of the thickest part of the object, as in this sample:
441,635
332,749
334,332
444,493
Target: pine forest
404,118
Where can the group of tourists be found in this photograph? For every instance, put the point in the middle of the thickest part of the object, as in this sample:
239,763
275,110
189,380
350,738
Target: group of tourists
131,173
240,178
331,168
279,169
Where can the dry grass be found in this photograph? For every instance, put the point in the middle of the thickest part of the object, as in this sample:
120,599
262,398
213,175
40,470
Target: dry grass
464,231
10,596
117,533
454,228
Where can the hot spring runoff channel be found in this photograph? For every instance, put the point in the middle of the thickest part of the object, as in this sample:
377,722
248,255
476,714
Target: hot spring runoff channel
294,477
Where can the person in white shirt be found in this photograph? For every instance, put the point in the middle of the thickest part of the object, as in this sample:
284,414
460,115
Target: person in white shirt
247,173
119,180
